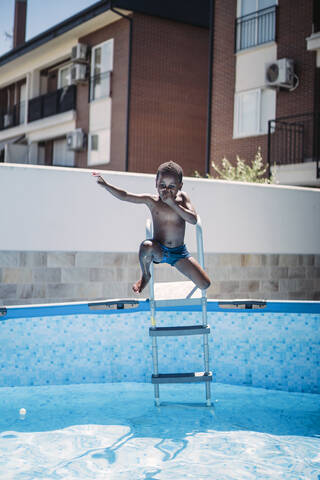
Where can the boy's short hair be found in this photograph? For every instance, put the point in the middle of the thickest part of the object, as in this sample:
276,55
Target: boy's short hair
170,168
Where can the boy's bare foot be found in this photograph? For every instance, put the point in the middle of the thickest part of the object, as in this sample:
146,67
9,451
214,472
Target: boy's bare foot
140,284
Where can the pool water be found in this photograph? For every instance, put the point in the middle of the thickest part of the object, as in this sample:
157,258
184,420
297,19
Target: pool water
114,431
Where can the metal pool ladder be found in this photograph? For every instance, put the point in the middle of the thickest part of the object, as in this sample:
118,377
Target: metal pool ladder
188,294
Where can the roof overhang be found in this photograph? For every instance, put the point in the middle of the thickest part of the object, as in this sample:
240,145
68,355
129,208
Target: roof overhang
52,46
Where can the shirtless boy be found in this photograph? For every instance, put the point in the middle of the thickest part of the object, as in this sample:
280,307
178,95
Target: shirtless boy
170,211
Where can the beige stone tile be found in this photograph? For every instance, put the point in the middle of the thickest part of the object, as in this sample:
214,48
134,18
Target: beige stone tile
253,273
249,286
33,259
230,259
16,275
9,259
87,291
60,290
269,286
132,259
296,272
127,275
288,260
103,274
89,259
275,273
220,273
31,291
299,296
252,260
229,287
47,275
214,289
61,259
287,284
306,260
270,260
303,284
114,290
312,272
8,292
75,275
211,260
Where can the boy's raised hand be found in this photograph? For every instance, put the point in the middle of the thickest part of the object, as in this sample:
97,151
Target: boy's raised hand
100,180
168,198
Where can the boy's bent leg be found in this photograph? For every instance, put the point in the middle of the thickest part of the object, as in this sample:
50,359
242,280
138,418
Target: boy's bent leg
149,250
193,270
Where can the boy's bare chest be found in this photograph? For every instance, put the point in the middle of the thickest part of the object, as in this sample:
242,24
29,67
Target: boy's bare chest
165,214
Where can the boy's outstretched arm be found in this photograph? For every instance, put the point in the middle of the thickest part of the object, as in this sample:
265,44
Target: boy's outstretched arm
123,194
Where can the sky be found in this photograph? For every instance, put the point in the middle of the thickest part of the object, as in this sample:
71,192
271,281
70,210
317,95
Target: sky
41,15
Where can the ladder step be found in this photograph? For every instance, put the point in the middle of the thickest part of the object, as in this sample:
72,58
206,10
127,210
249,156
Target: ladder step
182,377
177,331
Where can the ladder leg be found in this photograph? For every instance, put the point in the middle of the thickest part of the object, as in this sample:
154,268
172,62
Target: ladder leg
206,346
155,370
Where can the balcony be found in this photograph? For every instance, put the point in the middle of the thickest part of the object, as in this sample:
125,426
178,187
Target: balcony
294,142
52,103
255,29
12,117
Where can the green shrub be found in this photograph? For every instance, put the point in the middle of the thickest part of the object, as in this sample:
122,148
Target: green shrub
242,172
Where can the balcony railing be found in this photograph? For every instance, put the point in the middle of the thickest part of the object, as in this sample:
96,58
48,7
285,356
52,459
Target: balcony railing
12,117
294,139
52,103
256,28
316,16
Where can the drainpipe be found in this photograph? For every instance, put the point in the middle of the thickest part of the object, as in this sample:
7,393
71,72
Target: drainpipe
209,114
129,82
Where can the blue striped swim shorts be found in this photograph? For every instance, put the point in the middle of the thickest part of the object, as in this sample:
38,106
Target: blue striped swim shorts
172,255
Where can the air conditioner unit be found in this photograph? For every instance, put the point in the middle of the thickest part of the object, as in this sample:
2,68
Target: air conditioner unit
280,73
76,140
78,73
7,120
79,53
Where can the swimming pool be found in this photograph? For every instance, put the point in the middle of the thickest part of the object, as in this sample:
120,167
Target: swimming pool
83,376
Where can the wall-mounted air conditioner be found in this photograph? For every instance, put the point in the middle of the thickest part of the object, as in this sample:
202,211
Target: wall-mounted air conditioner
76,140
280,73
79,53
7,120
78,73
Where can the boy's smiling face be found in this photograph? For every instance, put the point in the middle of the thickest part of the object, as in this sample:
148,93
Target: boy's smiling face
168,185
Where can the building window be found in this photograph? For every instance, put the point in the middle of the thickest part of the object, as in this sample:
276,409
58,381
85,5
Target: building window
252,111
101,68
256,23
99,148
95,142
64,77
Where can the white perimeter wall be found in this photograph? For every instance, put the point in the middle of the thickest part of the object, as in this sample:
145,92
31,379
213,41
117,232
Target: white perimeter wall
63,209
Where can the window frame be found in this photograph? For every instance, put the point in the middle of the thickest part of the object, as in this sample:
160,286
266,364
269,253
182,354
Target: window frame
105,73
68,65
237,114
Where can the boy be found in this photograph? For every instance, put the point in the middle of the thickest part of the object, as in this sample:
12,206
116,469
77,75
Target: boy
170,211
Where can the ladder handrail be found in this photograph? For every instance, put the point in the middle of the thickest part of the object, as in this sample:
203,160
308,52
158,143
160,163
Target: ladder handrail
200,241
200,252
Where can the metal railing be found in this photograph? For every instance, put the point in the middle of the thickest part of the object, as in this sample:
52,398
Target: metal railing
12,117
100,86
294,139
52,103
255,28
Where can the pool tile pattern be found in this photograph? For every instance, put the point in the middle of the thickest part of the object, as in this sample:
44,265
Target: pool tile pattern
269,350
